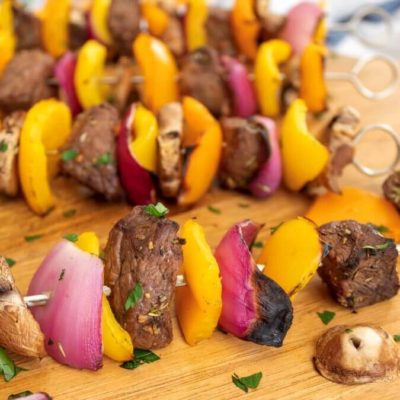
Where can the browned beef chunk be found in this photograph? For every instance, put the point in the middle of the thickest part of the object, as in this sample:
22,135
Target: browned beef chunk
169,140
218,29
144,250
24,80
93,143
174,36
391,189
123,22
26,28
245,150
78,32
359,264
271,23
202,78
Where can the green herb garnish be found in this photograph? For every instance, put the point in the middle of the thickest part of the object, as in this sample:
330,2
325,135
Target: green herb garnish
32,238
61,277
275,228
10,262
72,237
377,247
156,210
104,159
243,205
68,155
7,368
326,316
257,245
3,146
140,357
348,330
319,115
134,296
247,382
396,338
214,210
19,395
380,228
69,213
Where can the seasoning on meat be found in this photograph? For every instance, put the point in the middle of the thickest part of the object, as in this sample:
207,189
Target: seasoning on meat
245,149
26,28
143,249
9,140
169,140
355,354
77,29
93,143
391,189
339,135
123,23
24,80
202,78
359,264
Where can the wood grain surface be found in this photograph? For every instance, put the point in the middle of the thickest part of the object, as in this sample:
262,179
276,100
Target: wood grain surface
204,371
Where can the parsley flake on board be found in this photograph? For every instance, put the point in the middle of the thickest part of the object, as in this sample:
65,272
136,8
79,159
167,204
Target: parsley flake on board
3,146
104,159
68,155
134,296
348,330
214,210
156,210
72,237
19,395
10,262
247,382
396,338
7,367
32,238
69,213
326,316
140,357
275,228
243,205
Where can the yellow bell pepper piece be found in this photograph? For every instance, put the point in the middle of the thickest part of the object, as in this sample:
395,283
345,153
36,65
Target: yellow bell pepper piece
157,19
292,254
89,69
359,205
89,242
55,26
320,32
198,304
204,161
195,20
159,71
268,79
46,128
303,156
144,144
246,27
98,18
7,37
312,83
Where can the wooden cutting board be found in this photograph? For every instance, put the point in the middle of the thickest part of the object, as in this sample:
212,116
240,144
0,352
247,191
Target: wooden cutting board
204,371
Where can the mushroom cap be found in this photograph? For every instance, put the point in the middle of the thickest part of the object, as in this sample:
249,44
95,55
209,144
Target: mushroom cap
357,354
19,332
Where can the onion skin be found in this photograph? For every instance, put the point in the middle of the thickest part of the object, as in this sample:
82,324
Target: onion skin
71,320
254,307
136,181
64,72
301,24
269,177
243,93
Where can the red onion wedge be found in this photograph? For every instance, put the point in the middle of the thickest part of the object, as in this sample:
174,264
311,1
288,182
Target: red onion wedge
269,176
254,307
136,180
33,396
64,73
71,320
243,93
301,24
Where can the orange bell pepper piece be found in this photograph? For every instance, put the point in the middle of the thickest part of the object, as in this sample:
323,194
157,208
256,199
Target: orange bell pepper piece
312,83
303,156
159,71
292,254
7,37
204,161
246,27
195,20
268,78
320,32
38,138
359,205
99,20
157,19
198,304
55,26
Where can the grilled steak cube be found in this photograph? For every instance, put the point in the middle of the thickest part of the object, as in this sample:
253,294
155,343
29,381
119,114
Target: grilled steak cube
143,250
26,28
92,145
359,264
24,80
391,188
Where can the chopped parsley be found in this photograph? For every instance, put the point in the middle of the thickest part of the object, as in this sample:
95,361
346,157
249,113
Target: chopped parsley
214,210
156,210
380,228
62,275
257,245
319,115
7,367
396,338
19,395
377,247
134,296
104,159
10,262
68,155
3,146
275,228
69,213
243,205
247,382
72,237
140,357
348,330
326,316
32,238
